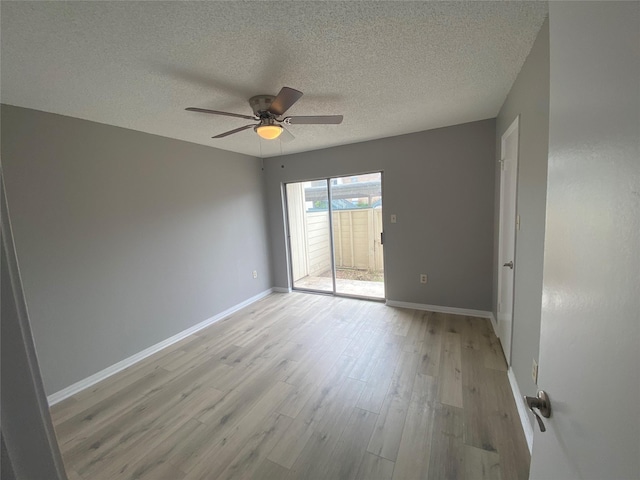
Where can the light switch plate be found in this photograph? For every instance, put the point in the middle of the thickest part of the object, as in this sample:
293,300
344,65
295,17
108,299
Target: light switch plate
394,218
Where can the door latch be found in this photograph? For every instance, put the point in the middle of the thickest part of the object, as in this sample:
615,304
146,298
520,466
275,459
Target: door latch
540,403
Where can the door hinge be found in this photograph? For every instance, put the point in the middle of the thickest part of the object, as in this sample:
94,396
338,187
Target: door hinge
381,238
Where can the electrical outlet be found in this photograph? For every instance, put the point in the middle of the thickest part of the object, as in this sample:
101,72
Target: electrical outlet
423,278
534,372
255,274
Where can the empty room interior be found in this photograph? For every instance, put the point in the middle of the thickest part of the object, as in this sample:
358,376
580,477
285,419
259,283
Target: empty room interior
320,240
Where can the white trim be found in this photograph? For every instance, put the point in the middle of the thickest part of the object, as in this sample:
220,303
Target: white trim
281,289
522,409
440,309
515,124
127,362
494,324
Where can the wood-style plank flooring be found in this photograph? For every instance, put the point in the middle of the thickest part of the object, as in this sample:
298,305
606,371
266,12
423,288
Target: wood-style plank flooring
301,386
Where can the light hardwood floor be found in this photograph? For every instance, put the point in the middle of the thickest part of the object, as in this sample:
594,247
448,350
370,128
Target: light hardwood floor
301,386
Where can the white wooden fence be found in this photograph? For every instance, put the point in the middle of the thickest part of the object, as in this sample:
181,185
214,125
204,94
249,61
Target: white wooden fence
318,246
356,237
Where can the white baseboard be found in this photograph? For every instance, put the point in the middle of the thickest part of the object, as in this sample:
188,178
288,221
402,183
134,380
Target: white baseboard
440,309
127,362
522,409
281,289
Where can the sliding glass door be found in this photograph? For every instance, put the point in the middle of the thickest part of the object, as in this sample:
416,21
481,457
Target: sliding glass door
335,235
357,232
310,236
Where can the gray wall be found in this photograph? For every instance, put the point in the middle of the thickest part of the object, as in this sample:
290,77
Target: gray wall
6,465
29,448
529,98
124,238
440,184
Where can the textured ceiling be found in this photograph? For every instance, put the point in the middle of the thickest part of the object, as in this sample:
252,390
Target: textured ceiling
389,67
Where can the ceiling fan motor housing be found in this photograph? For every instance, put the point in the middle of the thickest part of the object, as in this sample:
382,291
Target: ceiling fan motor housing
260,105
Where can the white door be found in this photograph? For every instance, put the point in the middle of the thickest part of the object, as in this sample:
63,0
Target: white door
590,326
507,240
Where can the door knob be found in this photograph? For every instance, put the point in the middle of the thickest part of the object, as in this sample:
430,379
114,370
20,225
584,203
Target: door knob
510,265
541,403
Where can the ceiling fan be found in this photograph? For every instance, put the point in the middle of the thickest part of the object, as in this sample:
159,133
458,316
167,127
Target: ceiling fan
268,110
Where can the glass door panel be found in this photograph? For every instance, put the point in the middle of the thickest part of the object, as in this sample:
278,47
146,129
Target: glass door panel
310,236
356,203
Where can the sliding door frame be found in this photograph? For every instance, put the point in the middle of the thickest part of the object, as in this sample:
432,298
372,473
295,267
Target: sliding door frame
331,240
287,222
332,253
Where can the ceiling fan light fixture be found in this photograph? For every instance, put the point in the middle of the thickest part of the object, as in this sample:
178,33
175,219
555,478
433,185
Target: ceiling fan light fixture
269,132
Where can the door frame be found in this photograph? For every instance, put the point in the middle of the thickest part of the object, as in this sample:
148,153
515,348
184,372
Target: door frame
31,412
331,241
514,127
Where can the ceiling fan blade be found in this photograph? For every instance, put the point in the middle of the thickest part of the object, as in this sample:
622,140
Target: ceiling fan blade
231,132
314,120
284,100
286,135
216,112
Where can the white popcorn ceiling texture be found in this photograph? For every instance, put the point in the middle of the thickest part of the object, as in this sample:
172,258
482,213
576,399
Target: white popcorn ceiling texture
389,67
